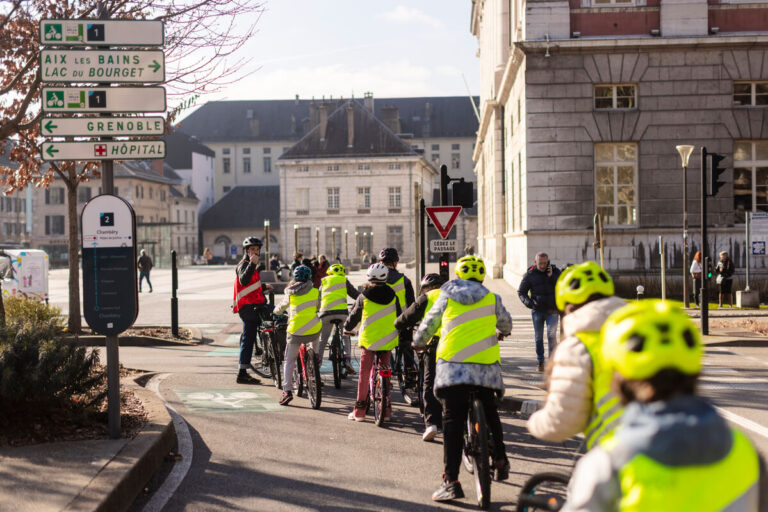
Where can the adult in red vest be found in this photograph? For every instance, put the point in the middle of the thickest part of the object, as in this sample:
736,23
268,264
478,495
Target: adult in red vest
249,303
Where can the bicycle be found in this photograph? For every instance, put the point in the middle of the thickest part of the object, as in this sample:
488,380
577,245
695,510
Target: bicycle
543,491
337,354
410,385
379,389
270,340
478,450
309,375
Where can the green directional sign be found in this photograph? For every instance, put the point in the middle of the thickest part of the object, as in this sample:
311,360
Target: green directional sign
104,99
64,66
101,126
111,150
101,32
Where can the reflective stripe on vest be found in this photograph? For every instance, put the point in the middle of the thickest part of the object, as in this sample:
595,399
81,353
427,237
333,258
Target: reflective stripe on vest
399,288
606,408
377,330
432,296
334,294
730,484
248,294
303,313
468,333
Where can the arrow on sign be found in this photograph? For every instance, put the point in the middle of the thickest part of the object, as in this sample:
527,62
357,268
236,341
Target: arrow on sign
443,217
50,126
51,151
154,66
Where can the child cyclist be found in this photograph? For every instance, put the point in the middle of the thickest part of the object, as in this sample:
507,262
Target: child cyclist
433,411
303,327
334,289
470,321
376,310
672,450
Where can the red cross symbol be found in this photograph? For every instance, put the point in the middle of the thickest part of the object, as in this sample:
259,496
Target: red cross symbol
100,149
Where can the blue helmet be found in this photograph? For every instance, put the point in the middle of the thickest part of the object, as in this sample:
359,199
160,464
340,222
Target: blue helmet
302,273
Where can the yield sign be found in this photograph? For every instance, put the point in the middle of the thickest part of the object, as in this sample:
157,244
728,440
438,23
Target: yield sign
443,217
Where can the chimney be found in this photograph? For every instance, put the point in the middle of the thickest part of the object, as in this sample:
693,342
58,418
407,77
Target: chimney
368,101
157,166
313,114
350,126
323,120
391,118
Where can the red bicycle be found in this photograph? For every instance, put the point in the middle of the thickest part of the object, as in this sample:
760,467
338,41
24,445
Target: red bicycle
379,390
309,376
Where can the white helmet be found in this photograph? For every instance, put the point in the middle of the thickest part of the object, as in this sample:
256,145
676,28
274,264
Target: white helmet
377,273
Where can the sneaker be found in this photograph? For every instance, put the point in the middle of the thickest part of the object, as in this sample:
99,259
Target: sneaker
501,470
448,491
150,290
429,433
351,416
350,370
540,367
286,398
244,378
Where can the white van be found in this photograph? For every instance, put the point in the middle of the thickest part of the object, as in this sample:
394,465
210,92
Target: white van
28,275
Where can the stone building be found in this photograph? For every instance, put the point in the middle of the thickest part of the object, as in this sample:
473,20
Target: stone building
582,105
15,218
194,163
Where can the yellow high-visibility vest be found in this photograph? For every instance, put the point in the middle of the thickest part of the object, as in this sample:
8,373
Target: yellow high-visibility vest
334,294
468,332
377,329
606,407
303,312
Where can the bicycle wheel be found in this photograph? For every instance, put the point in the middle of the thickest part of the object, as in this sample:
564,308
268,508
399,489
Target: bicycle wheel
261,363
420,381
478,436
336,357
544,491
314,386
298,373
275,360
399,370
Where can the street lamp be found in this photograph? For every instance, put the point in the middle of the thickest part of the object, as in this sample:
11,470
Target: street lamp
357,244
346,244
317,241
333,235
296,238
266,234
685,154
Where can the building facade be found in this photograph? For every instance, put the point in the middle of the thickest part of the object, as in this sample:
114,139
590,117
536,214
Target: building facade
582,105
194,163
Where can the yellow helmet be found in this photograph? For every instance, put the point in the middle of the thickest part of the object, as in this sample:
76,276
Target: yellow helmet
648,336
337,269
580,282
470,267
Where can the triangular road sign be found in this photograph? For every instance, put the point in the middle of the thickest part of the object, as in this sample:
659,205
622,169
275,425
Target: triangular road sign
443,217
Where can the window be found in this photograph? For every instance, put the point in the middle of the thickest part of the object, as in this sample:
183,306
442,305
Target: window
137,192
141,189
395,237
54,224
267,164
615,172
455,160
364,198
394,197
116,191
162,194
608,2
246,151
54,195
304,240
302,201
364,167
611,97
435,147
393,167
750,177
454,147
83,194
302,168
178,216
225,151
750,94
267,151
226,189
225,163
333,198
150,192
435,157
333,167
246,164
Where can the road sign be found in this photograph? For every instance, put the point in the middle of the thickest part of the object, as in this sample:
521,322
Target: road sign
102,66
443,217
112,150
101,32
438,246
103,99
101,126
110,298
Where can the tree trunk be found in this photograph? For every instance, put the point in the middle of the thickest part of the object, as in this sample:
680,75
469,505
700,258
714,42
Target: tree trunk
74,325
2,310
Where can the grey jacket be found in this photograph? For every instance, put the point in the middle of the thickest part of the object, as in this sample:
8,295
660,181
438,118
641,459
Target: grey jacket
297,288
449,374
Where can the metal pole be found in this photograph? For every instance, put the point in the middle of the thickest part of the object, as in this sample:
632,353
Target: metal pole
748,249
266,236
346,244
686,300
333,232
113,387
704,245
296,238
423,233
317,241
663,252
174,299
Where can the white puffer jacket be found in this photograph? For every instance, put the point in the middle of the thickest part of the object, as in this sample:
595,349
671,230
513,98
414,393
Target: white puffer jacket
569,399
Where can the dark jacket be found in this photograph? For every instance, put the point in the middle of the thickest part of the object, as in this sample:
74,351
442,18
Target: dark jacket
320,272
542,288
393,277
274,264
725,268
245,271
380,294
413,313
144,264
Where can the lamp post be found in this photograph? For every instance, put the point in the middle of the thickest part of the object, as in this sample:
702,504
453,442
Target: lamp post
372,249
357,244
333,236
317,241
346,244
685,154
295,238
365,241
266,235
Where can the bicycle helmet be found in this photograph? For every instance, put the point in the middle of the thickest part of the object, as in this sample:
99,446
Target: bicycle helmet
389,255
580,282
431,280
302,273
470,267
337,269
377,273
648,336
251,240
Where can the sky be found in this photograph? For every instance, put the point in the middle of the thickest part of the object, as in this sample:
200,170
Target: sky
338,48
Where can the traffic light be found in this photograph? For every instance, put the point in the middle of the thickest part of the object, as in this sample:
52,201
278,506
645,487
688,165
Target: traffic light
444,180
714,172
709,270
444,267
463,194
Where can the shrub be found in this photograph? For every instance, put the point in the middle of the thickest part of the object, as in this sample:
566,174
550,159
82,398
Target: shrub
32,315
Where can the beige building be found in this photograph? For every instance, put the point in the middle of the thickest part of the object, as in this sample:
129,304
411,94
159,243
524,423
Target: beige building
15,221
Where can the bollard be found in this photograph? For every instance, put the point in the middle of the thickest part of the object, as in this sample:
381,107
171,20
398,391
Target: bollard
174,299
640,292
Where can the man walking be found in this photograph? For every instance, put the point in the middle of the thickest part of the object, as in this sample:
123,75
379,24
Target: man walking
145,265
537,292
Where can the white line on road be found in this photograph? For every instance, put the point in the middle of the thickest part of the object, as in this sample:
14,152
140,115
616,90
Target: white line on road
184,439
743,422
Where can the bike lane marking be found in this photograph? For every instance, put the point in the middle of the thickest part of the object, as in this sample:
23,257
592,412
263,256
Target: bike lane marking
223,351
229,400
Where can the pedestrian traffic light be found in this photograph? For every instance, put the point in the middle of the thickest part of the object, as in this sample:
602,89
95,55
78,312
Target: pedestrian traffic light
714,183
444,267
709,270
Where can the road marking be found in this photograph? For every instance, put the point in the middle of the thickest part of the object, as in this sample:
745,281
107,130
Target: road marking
232,339
743,422
230,400
223,351
185,446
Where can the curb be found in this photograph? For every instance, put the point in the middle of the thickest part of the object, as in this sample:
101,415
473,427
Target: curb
98,340
119,482
510,404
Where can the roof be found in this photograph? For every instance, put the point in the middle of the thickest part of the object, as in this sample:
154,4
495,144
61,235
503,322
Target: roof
180,147
190,194
244,207
371,137
142,169
266,120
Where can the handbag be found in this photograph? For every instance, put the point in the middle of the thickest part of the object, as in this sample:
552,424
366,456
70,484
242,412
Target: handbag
719,279
697,276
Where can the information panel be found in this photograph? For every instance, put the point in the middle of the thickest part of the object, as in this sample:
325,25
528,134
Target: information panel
103,99
113,150
115,66
101,32
101,126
